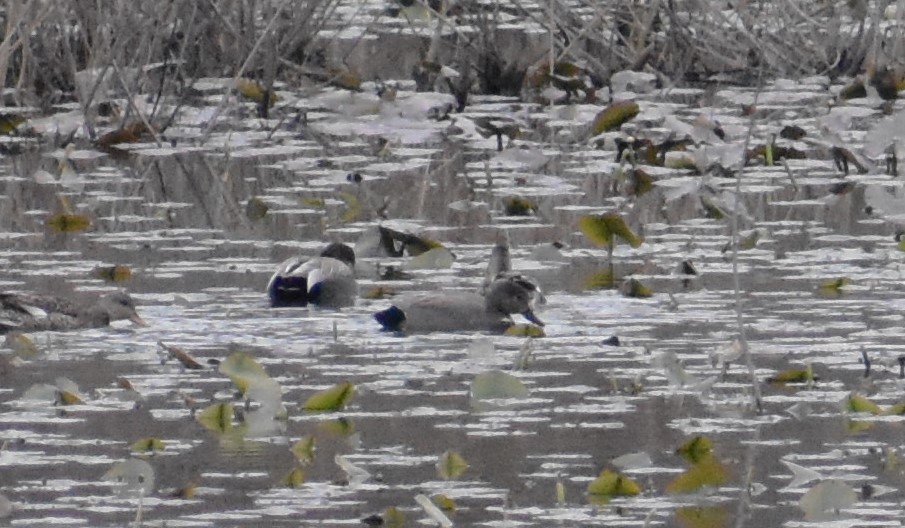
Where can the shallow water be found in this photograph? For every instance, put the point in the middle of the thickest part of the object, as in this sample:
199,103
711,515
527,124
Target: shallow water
177,218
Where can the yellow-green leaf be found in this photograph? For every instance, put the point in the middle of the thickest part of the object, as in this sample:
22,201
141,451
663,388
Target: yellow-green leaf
313,202
600,280
256,209
711,210
65,397
69,223
634,288
21,345
702,516
147,445
444,502
293,479
611,484
353,208
253,91
641,182
393,518
857,403
613,116
858,426
895,409
332,399
853,90
793,376
451,465
749,241
217,417
185,492
241,369
706,472
696,449
496,384
602,228
342,427
303,449
9,122
525,330
116,273
832,288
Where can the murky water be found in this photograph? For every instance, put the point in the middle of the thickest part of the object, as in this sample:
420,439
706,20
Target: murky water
176,215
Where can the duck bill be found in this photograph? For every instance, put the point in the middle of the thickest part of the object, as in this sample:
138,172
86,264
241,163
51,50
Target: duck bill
137,320
529,315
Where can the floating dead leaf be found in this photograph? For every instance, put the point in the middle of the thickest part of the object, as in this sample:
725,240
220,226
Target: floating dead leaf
69,223
707,471
451,465
610,484
613,116
182,356
793,132
253,91
525,330
293,479
696,449
21,345
379,292
857,403
217,417
115,273
185,492
256,209
635,289
303,449
125,384
601,229
131,133
711,210
640,182
332,399
832,288
147,445
853,90
313,202
518,206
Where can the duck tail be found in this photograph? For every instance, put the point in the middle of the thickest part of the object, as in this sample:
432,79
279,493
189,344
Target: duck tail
391,319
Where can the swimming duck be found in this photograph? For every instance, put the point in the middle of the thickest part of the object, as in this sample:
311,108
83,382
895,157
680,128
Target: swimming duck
35,313
327,280
509,293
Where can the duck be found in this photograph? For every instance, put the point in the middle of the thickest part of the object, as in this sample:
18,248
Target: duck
509,293
327,280
21,312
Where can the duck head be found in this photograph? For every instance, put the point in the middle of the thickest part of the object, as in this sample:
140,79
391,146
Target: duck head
513,293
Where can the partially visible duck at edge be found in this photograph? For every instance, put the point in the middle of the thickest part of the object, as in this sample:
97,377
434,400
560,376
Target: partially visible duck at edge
327,280
35,313
508,294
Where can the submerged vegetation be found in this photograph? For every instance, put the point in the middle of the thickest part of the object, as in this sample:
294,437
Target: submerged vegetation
707,193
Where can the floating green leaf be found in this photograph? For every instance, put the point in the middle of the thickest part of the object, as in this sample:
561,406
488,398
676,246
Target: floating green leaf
332,399
611,484
435,258
444,502
242,368
895,409
601,279
711,210
641,182
832,288
613,116
451,465
134,476
217,417
303,449
21,345
256,209
696,449
353,208
393,517
793,376
496,384
294,479
702,516
341,427
633,288
69,223
9,122
708,471
857,403
602,228
253,91
116,273
750,241
148,445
